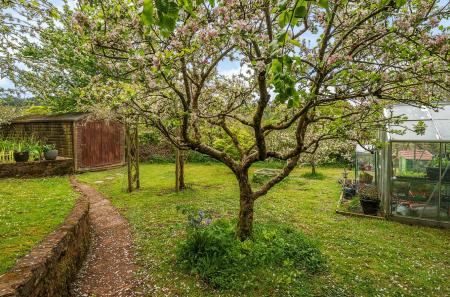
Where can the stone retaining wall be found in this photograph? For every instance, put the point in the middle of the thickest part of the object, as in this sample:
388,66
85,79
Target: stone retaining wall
60,166
50,267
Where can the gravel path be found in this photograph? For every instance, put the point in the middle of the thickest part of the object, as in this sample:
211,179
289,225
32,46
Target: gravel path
109,268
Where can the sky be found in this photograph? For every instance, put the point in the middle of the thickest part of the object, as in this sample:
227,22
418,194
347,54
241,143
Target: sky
225,67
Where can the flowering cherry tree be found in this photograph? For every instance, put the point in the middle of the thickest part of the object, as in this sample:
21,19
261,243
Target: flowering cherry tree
329,63
305,64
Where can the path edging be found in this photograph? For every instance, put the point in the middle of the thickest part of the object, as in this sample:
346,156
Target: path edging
50,267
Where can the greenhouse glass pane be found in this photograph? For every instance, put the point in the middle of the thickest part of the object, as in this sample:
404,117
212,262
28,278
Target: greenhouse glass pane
444,205
443,113
413,113
443,126
429,135
415,176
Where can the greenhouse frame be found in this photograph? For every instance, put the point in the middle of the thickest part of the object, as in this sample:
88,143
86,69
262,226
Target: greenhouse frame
411,170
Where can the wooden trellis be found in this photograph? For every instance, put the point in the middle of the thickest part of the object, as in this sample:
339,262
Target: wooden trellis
132,145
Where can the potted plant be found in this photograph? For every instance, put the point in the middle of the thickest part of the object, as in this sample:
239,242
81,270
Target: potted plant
369,199
34,147
50,152
21,153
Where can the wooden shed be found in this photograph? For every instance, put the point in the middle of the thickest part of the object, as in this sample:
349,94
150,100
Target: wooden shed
92,144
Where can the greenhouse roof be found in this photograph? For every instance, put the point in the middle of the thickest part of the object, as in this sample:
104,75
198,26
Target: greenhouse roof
366,149
437,123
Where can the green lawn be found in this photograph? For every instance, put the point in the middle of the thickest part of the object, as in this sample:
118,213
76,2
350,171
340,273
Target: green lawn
365,257
29,210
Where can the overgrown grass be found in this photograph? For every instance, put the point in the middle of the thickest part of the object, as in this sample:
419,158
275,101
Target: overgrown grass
215,254
29,210
364,257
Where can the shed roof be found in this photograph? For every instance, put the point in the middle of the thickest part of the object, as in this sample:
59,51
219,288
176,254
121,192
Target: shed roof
437,123
66,117
421,155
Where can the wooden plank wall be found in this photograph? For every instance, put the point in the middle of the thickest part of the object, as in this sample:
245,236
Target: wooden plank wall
57,133
99,144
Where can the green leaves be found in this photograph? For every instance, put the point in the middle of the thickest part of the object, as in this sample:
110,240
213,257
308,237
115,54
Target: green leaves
323,3
291,15
283,81
396,3
300,12
400,3
167,12
147,13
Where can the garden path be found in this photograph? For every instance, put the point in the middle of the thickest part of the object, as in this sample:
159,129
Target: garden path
109,267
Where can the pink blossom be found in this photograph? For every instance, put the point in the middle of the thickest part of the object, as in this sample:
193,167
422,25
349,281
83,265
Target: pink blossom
156,62
229,2
175,43
434,22
332,59
241,25
260,66
208,34
321,17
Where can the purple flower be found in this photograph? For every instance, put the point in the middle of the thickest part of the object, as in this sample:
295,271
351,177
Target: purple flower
201,214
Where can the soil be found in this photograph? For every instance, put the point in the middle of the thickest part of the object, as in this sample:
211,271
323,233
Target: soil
109,269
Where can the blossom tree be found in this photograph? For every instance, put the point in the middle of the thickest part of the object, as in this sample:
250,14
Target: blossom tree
334,64
331,63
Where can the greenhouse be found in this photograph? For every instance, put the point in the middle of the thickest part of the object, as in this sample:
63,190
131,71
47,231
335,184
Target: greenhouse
411,171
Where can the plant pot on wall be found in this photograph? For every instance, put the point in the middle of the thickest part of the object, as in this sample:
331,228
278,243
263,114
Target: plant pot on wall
51,154
21,156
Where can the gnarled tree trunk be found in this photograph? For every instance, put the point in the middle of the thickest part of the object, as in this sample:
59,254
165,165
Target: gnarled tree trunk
247,201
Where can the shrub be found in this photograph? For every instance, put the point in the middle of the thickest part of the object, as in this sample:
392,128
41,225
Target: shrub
215,254
149,137
369,192
316,175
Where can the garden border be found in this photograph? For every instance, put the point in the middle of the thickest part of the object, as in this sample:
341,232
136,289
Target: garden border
50,266
32,169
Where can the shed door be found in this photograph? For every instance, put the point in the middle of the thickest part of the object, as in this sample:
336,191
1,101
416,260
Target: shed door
100,144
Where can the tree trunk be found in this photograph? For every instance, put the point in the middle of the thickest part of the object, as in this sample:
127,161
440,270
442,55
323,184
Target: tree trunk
179,170
313,168
245,224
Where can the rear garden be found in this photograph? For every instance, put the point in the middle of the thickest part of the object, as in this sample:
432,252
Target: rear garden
361,257
30,209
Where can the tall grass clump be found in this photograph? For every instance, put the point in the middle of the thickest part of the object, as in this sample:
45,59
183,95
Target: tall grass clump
276,253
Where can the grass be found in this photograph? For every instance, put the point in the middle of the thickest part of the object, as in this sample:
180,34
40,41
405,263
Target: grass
365,257
29,210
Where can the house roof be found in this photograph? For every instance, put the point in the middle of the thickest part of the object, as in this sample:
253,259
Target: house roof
437,123
421,155
66,117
